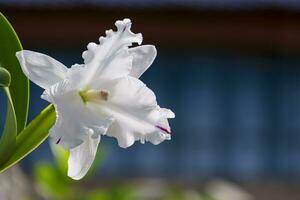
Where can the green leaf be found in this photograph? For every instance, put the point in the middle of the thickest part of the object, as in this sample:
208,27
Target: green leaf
32,136
17,142
19,87
8,138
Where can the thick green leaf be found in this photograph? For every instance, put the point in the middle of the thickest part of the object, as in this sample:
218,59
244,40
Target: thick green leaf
8,138
32,136
17,142
19,87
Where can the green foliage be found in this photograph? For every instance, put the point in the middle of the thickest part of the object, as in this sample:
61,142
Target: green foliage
19,87
54,183
17,142
8,138
51,178
61,158
9,45
32,136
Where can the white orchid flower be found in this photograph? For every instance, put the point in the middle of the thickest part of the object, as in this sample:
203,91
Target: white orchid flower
103,96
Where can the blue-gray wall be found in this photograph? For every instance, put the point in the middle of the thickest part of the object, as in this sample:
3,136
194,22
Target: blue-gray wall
237,116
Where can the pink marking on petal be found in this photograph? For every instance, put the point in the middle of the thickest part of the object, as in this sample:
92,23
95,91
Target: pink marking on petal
57,142
163,129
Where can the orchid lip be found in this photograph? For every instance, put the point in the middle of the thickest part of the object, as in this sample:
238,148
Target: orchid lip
163,129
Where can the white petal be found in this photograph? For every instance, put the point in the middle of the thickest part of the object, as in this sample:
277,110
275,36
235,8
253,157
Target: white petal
99,56
167,113
40,68
136,113
124,136
74,117
143,57
118,67
77,77
157,138
82,157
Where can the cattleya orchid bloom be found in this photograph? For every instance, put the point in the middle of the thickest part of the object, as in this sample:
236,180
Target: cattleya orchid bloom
103,96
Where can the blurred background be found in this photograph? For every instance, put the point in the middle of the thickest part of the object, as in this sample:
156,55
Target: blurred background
230,70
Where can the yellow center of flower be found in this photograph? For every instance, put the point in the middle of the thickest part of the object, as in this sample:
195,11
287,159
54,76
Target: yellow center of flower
94,95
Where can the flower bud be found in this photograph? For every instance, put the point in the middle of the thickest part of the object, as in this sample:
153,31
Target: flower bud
4,77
